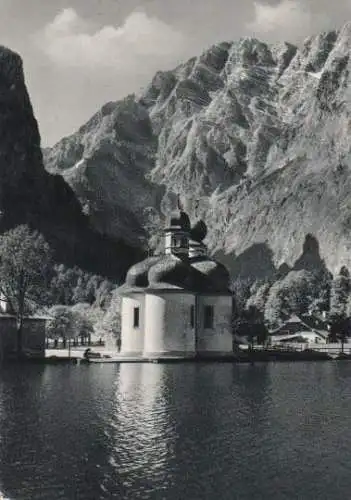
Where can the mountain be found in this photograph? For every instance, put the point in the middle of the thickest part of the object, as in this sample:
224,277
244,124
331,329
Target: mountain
31,195
106,163
254,137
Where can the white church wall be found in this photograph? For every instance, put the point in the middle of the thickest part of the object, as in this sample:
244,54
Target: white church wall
132,338
168,323
219,338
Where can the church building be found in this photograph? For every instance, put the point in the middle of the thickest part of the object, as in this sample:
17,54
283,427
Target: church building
177,303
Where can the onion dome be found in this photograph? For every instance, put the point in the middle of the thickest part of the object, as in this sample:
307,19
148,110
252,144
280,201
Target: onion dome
170,270
137,274
199,231
179,221
214,271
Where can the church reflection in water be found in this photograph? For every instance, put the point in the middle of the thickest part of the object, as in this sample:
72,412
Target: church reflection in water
171,423
188,430
143,433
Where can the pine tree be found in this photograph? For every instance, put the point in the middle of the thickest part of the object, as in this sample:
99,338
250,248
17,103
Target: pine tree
339,294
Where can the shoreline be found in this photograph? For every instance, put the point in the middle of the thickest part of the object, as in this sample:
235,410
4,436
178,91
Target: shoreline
244,356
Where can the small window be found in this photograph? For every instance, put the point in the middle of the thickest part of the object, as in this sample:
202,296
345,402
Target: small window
178,241
192,316
136,317
208,319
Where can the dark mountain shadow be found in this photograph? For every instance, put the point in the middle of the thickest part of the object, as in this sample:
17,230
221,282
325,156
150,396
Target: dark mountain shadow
283,270
254,263
310,259
49,205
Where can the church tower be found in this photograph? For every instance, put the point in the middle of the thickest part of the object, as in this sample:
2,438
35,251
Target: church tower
177,234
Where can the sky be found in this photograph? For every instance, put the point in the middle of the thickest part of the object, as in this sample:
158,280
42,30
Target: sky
80,54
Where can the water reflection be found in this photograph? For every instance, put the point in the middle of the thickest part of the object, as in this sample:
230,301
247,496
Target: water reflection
141,435
172,429
187,431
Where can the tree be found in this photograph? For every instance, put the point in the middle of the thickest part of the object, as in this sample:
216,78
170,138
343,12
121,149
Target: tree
63,283
260,292
294,294
68,323
62,323
110,326
104,294
339,299
25,273
84,319
340,329
274,307
250,324
339,294
71,286
86,289
241,291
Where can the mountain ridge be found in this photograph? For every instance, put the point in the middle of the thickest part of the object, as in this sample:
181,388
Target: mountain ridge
253,136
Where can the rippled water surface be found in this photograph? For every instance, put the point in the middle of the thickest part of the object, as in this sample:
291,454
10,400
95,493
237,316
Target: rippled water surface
212,431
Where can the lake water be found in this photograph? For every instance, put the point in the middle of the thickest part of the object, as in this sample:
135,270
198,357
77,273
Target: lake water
187,431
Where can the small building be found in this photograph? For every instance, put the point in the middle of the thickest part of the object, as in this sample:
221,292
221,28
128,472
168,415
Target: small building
33,336
179,302
296,330
33,333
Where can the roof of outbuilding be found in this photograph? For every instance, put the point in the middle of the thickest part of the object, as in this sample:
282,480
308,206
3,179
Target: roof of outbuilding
294,319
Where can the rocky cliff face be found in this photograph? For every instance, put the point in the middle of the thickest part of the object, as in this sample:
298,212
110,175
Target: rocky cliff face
256,136
106,163
29,194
